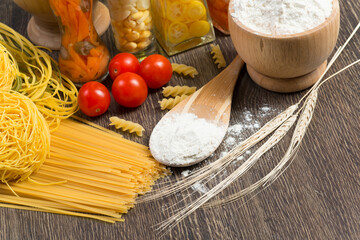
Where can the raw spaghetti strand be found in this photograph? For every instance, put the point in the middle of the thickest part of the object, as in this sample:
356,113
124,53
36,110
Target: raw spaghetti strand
25,137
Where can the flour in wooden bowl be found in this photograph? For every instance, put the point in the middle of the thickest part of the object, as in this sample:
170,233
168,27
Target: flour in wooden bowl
281,17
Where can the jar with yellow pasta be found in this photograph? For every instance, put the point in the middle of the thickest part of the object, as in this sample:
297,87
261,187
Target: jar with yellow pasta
132,26
182,24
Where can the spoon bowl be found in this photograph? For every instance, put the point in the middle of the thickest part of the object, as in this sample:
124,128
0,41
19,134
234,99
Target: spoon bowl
212,102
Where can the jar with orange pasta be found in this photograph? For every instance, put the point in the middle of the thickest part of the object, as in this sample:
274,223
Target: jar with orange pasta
219,14
83,56
182,24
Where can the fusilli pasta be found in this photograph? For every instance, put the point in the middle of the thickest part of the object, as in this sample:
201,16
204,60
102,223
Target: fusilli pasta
169,103
127,125
218,56
178,91
184,69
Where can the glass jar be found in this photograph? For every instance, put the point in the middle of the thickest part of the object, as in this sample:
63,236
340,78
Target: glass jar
182,24
219,14
83,57
132,26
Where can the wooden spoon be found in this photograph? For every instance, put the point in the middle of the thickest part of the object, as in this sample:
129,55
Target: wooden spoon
211,102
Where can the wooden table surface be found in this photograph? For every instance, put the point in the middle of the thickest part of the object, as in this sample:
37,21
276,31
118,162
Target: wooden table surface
318,197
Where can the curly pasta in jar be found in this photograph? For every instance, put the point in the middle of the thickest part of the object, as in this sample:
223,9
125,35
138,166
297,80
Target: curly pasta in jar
132,25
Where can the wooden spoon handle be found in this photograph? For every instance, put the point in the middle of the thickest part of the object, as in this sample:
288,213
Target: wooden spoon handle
222,86
217,91
214,98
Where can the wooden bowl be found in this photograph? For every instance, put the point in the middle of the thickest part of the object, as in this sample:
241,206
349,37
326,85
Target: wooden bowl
286,63
43,29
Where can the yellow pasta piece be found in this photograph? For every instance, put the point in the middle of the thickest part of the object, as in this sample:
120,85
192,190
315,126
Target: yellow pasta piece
218,56
169,103
178,91
184,69
127,125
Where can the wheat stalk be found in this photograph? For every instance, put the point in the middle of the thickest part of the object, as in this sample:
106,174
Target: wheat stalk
299,133
208,172
272,141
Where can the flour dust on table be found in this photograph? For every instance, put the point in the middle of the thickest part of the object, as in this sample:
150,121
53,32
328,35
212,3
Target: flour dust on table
247,125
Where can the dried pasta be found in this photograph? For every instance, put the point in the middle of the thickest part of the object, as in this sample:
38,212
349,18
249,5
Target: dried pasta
101,175
177,91
169,103
25,137
218,56
184,69
8,69
40,79
127,125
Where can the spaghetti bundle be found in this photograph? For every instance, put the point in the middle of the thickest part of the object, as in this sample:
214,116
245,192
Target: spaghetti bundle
103,175
39,78
25,137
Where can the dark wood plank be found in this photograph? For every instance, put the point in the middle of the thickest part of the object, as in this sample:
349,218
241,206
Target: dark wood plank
316,198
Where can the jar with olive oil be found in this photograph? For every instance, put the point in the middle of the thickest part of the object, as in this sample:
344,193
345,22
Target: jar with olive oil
182,24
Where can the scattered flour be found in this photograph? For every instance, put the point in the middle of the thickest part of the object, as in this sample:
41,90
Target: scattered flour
241,158
183,139
230,141
281,17
247,125
185,173
198,186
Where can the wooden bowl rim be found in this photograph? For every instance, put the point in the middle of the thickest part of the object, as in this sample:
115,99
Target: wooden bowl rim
333,15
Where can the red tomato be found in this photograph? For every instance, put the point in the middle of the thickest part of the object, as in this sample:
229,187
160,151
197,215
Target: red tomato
94,99
156,70
121,63
129,90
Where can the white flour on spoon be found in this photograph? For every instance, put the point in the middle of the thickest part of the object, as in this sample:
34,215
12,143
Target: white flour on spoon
183,139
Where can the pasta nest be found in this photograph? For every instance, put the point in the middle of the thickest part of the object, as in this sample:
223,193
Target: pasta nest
8,68
24,135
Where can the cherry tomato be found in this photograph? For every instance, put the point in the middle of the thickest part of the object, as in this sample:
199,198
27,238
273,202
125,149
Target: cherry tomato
156,70
94,99
121,63
129,89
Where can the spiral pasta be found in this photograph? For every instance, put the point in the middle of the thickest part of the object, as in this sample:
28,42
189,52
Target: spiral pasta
127,125
40,79
218,56
169,103
178,91
184,69
25,137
